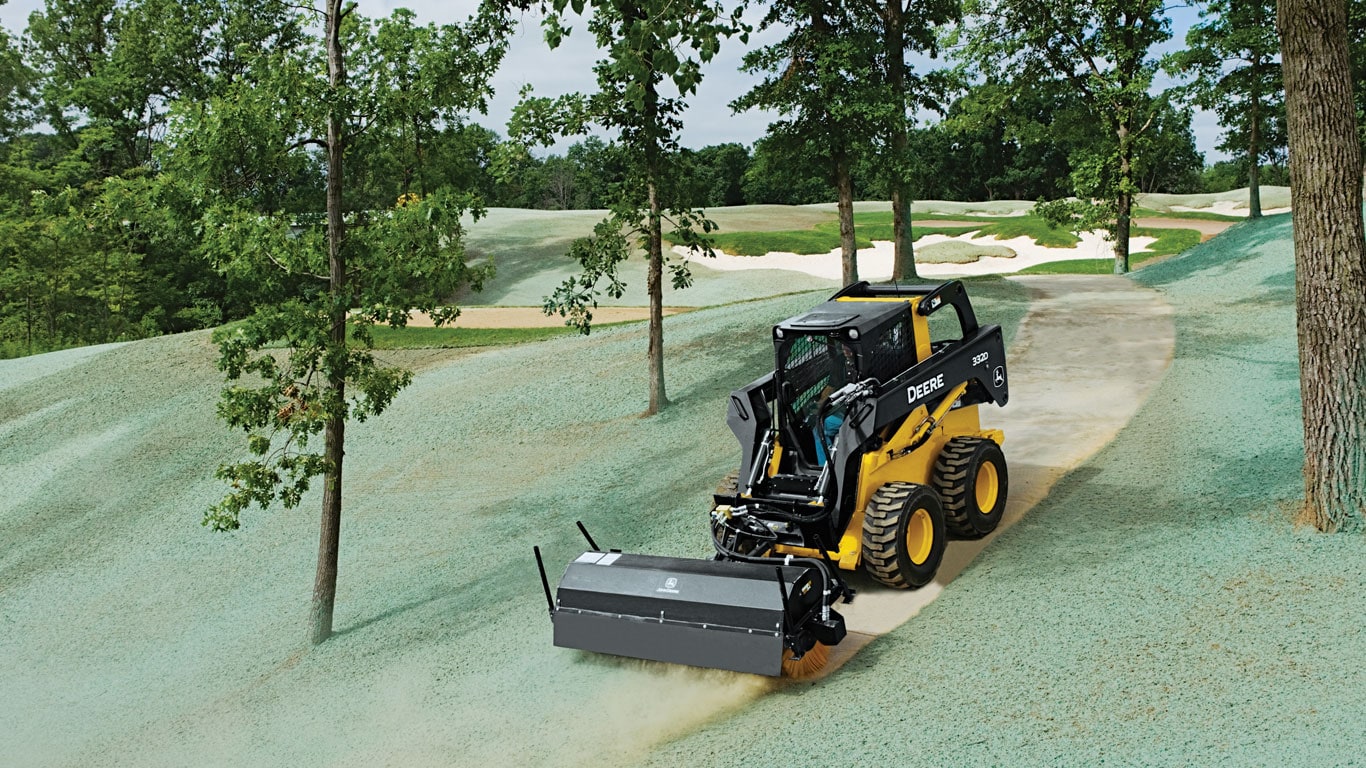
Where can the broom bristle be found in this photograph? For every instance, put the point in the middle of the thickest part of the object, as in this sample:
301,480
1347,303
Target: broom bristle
809,664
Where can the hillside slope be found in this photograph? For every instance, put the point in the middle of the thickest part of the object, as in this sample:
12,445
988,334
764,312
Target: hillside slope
134,636
1159,608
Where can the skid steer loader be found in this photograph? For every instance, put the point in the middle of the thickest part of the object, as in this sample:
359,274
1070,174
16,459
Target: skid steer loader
862,447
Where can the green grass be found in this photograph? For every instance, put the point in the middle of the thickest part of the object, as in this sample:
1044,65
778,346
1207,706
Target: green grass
1002,228
884,218
1072,267
459,338
959,252
807,241
1169,243
1034,228
877,225
1201,215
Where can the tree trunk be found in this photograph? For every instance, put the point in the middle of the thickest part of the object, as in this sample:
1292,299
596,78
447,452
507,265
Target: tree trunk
654,286
654,280
844,183
1124,209
329,536
1254,148
1330,258
903,246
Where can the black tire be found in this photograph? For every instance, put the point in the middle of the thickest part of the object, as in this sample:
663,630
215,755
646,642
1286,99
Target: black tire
971,478
903,535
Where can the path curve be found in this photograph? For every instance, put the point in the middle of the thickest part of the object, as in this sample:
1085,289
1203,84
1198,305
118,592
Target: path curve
1086,357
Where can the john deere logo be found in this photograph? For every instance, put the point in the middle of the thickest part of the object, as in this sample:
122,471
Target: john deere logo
671,584
1000,376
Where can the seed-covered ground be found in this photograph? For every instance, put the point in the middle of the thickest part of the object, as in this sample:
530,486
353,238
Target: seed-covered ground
1158,607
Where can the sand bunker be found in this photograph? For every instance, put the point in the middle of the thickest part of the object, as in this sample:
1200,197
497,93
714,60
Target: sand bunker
876,263
1228,208
956,252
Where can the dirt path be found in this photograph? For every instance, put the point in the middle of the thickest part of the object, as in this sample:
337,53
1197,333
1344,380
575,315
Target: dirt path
949,223
1087,355
1206,227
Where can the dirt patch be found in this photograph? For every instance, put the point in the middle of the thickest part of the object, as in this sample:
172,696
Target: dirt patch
534,317
1206,227
947,223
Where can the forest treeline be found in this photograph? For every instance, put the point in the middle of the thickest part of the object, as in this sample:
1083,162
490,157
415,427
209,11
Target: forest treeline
103,197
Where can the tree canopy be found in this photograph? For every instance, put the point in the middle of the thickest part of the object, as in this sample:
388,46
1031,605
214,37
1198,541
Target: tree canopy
1103,53
1233,56
649,48
355,105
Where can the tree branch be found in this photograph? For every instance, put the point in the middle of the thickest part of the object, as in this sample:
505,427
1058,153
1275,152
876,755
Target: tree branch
283,267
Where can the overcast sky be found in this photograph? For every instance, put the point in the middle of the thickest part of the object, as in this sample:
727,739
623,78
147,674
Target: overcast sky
569,68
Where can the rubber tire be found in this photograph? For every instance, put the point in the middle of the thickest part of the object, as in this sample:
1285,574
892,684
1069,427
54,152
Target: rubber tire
956,473
885,522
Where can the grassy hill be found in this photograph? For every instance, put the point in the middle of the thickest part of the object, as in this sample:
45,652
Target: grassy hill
528,247
134,636
1158,608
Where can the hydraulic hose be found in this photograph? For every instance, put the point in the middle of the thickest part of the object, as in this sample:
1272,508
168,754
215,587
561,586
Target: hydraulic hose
827,578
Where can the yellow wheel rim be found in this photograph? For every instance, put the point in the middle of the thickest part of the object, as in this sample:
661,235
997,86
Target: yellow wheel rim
988,487
919,536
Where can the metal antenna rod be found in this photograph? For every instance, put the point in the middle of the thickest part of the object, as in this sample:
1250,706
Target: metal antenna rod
545,583
592,544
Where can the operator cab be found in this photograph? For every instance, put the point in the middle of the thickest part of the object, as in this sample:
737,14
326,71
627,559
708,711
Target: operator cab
839,342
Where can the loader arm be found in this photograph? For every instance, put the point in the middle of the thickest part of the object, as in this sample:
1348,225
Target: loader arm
750,417
978,360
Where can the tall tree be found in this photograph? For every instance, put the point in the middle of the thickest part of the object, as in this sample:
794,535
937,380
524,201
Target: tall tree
907,26
785,175
321,281
651,47
111,69
1330,258
1356,47
822,78
1233,55
1165,157
1102,49
16,83
722,168
110,75
1005,141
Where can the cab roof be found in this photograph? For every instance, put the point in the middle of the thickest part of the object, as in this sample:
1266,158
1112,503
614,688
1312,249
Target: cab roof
842,315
